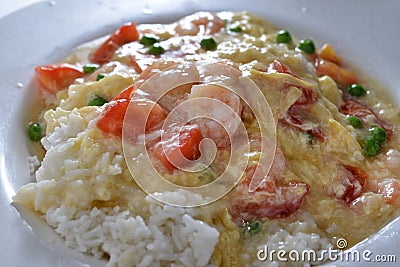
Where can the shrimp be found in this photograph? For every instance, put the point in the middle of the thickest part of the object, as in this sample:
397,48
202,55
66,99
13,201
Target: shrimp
385,183
229,119
391,160
184,83
154,68
386,193
390,189
169,92
201,23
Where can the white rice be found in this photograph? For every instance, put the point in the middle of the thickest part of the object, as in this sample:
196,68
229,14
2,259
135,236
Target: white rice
69,126
301,235
33,163
170,237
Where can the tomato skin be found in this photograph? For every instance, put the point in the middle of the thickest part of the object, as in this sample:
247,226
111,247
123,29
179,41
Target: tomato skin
112,119
359,177
279,67
125,34
295,115
55,77
144,112
308,95
189,143
113,116
126,93
186,141
349,185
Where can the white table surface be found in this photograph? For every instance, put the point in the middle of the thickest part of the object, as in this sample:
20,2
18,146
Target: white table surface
9,6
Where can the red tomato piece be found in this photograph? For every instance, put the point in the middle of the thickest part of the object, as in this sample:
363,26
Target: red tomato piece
113,117
126,93
307,97
352,182
112,121
297,116
145,112
185,142
125,34
358,174
278,66
55,77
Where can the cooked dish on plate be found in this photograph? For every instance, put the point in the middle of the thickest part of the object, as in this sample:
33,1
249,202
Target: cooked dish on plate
288,144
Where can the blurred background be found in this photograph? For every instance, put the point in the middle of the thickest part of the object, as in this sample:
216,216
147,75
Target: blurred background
9,6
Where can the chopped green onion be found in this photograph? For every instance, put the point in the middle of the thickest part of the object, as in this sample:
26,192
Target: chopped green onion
310,136
97,101
356,90
208,44
35,131
371,147
356,122
236,29
148,40
283,37
252,228
378,134
100,76
307,46
155,49
90,68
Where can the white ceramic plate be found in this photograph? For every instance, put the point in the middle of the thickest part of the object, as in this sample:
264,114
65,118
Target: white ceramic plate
365,33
